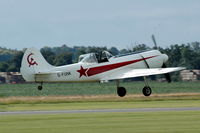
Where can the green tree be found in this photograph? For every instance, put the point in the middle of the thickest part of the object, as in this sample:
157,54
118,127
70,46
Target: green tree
48,54
114,51
16,62
124,51
77,52
95,49
63,59
3,66
140,47
175,55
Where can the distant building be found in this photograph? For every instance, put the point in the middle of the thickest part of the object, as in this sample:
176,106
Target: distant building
190,75
11,77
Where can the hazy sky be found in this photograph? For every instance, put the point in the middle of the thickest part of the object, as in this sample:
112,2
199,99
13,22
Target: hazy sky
119,23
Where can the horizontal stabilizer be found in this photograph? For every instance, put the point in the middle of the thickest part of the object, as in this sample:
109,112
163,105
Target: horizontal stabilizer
47,73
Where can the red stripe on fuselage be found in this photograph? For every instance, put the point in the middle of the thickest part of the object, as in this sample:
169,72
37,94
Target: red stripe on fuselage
100,69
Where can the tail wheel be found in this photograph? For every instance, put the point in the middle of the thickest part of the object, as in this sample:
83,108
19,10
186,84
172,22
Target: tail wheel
146,91
40,87
121,91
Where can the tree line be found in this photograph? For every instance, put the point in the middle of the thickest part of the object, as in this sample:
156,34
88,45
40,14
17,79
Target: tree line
187,55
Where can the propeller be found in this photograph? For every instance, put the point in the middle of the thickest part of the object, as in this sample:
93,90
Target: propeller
154,41
167,75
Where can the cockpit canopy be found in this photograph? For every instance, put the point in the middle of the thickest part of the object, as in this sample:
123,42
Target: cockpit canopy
103,56
88,58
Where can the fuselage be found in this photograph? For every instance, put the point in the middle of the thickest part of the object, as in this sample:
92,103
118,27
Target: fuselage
95,71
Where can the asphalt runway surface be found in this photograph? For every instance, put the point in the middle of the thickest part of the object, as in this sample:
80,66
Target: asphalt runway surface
102,111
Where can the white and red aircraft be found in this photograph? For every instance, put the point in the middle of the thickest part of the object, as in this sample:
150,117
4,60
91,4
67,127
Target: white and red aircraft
97,67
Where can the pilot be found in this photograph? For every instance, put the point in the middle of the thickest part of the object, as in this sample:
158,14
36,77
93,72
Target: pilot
103,57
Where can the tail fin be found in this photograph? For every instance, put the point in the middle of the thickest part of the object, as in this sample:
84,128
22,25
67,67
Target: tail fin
32,63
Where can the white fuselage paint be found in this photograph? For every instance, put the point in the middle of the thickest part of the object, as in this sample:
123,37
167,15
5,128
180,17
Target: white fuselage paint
69,73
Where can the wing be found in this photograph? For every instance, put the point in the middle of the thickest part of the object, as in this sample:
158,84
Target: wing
140,72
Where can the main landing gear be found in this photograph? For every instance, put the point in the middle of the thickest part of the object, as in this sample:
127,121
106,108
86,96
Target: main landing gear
146,90
40,86
121,91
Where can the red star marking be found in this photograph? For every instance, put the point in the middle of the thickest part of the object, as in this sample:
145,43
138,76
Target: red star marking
82,71
100,69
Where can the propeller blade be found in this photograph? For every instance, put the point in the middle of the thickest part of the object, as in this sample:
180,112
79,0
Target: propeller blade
164,65
168,78
167,75
154,41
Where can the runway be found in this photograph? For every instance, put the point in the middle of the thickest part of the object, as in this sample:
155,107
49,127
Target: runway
102,111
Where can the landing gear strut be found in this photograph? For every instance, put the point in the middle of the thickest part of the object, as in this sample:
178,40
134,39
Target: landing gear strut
146,90
40,86
121,91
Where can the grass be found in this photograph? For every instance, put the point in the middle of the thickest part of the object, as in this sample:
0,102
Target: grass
141,122
92,96
7,90
137,122
100,105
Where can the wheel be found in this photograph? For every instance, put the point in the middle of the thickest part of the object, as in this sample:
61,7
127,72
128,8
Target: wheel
40,87
146,91
121,91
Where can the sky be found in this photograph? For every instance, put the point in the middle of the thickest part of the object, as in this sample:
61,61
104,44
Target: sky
119,23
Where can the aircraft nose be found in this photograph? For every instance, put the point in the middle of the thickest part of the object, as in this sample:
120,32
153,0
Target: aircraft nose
165,58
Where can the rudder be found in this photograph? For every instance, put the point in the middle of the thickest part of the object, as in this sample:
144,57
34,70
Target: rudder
33,62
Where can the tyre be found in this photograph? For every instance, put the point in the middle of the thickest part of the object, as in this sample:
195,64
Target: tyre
40,87
121,91
146,91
